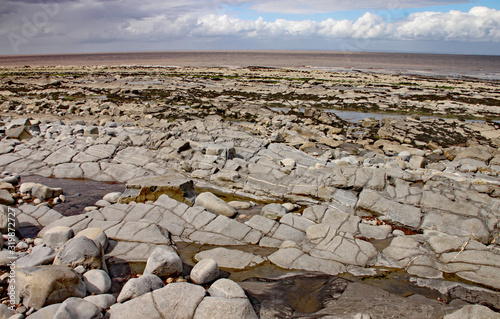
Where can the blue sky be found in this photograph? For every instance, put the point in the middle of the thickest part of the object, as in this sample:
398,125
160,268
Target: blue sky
245,11
71,26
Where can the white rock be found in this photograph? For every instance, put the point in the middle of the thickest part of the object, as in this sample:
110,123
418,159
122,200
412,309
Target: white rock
205,271
112,197
215,204
57,236
163,262
97,281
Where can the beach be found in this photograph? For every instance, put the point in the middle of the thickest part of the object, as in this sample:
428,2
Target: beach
370,181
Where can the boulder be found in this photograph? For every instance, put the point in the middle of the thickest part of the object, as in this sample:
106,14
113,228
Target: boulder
473,312
40,191
80,251
97,235
226,288
176,300
6,198
222,308
163,262
215,205
45,313
20,133
137,287
97,281
175,185
112,197
5,312
103,301
205,271
56,237
45,285
40,255
77,308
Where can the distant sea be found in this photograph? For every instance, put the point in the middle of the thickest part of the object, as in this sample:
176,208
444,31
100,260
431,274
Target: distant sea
487,67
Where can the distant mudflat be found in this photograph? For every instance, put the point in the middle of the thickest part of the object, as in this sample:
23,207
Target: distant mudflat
425,64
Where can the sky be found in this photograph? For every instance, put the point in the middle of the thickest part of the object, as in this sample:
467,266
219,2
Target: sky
81,26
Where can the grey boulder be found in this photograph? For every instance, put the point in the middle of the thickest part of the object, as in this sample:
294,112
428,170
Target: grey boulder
45,285
97,281
40,255
205,271
77,308
136,287
215,205
80,251
176,300
55,237
163,262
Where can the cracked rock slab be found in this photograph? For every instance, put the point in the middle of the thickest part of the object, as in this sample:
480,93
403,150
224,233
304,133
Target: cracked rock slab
230,258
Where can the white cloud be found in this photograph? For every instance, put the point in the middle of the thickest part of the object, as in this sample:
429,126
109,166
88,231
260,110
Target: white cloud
479,24
97,22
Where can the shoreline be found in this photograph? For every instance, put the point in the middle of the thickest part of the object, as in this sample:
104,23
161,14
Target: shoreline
425,64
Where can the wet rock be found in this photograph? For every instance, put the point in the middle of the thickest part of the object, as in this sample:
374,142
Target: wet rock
163,262
174,185
378,304
40,191
97,281
136,287
45,285
273,211
303,294
215,205
239,205
204,271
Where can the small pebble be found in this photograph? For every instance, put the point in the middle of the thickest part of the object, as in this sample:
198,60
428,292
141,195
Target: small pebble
21,309
62,198
37,201
22,245
80,270
38,241
170,280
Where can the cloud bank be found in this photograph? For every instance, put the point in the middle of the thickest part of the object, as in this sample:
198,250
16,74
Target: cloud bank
96,25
